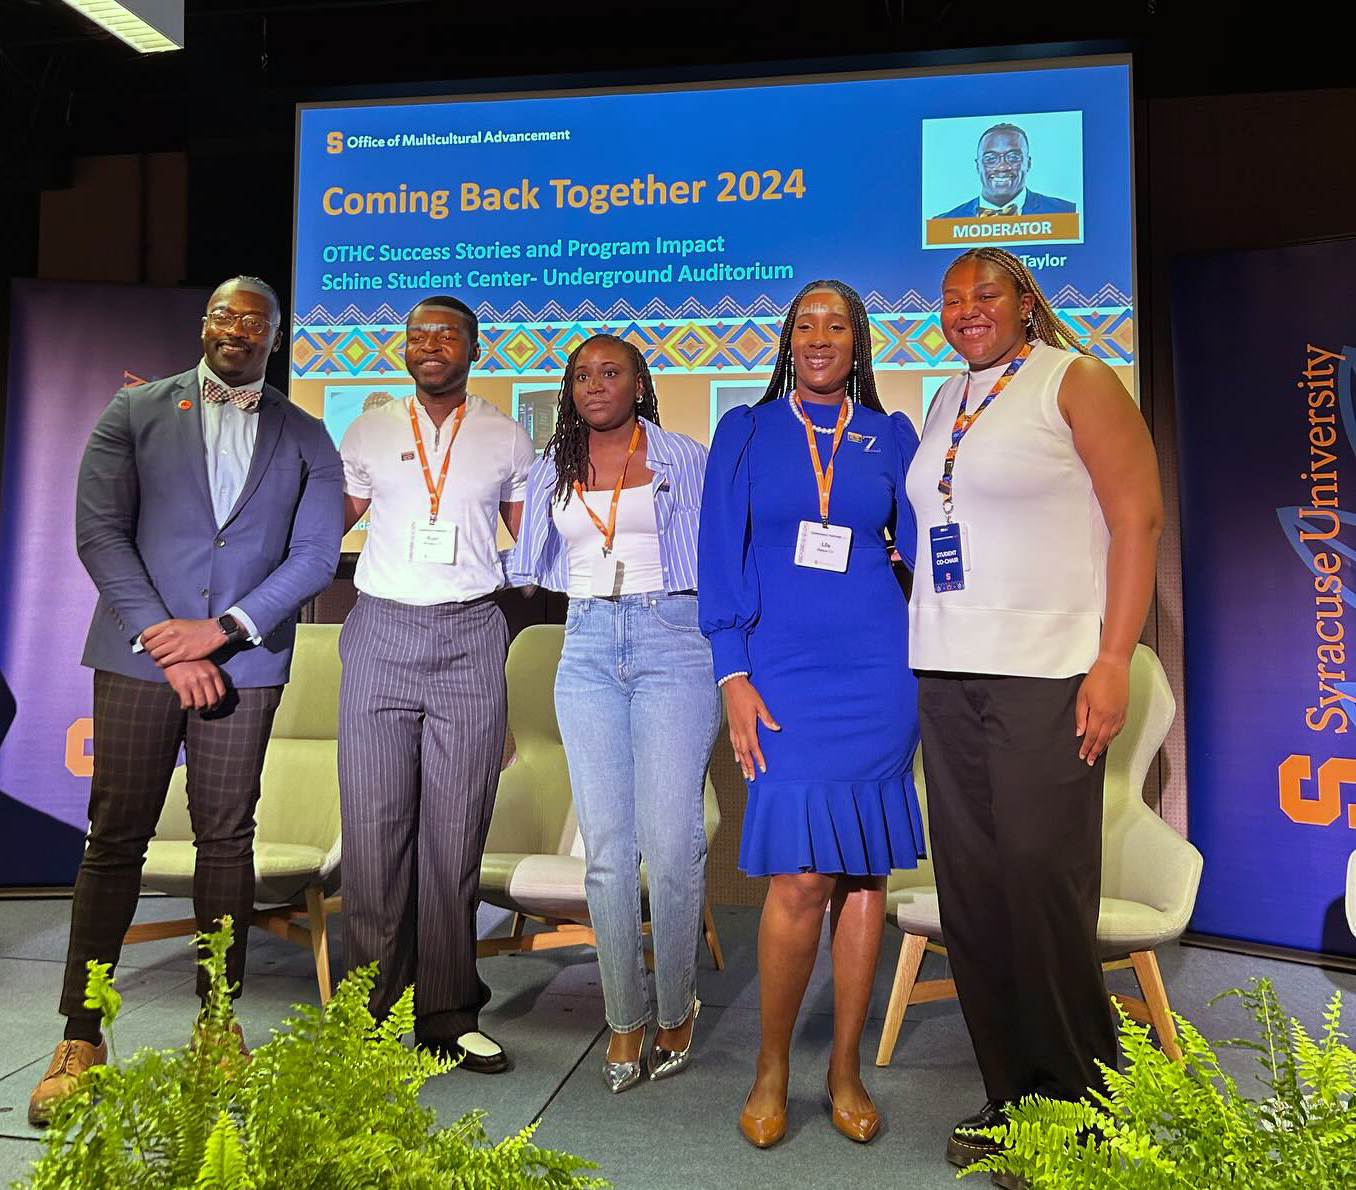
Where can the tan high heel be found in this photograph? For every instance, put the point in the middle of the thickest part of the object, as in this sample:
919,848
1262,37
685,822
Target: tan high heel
858,1126
762,1131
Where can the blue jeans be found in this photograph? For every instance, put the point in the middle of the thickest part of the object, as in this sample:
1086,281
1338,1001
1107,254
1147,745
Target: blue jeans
638,713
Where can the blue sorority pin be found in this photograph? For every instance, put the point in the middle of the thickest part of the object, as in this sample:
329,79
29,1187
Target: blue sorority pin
948,560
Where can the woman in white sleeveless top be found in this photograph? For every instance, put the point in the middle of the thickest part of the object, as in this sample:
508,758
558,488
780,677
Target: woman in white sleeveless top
1037,498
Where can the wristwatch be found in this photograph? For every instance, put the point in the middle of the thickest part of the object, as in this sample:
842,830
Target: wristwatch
232,629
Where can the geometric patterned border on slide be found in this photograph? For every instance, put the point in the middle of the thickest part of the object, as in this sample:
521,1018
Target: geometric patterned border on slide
692,345
689,309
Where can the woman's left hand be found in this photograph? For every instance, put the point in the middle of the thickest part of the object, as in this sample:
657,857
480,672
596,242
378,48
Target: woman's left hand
1102,701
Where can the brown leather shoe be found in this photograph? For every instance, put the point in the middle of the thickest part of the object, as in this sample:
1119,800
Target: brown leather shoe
71,1060
239,1036
860,1126
762,1131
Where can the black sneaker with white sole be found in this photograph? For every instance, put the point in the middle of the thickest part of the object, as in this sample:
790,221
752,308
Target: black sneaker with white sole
963,1149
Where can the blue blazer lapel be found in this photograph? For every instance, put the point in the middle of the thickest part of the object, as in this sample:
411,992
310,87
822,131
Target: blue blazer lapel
265,443
190,433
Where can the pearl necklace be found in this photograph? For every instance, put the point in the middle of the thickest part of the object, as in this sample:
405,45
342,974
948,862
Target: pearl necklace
800,417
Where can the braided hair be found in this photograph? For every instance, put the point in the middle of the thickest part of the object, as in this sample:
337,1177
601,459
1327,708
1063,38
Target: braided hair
254,285
1043,323
569,445
861,381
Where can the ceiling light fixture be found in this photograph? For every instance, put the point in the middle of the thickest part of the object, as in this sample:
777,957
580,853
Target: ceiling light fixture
148,26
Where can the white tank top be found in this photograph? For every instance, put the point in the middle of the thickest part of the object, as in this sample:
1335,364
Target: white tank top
1035,583
635,546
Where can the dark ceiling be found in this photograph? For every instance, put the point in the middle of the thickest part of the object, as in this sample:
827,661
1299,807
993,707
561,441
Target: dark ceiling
227,102
68,88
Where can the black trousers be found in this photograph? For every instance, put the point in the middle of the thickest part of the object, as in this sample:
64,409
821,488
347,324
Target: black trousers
1015,819
138,729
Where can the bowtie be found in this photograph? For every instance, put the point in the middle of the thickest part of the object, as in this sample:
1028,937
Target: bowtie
242,398
990,212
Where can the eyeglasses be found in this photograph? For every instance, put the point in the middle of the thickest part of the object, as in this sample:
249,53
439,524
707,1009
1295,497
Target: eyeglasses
1011,157
222,319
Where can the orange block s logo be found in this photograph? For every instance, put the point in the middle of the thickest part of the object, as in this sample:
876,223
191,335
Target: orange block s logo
1326,808
79,762
334,143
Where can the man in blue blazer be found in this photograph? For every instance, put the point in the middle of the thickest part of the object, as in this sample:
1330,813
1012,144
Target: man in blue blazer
209,509
1003,161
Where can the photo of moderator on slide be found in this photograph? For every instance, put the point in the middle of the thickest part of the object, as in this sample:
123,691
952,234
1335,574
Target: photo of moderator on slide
691,245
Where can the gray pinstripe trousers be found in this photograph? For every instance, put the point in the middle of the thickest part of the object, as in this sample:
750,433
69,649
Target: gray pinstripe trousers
422,715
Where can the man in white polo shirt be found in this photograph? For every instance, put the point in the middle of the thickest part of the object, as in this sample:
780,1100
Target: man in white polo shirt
422,703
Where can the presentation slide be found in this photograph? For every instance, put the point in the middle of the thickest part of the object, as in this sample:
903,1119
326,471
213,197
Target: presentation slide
685,219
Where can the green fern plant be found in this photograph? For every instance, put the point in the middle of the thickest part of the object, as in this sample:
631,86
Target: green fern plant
330,1103
1163,1125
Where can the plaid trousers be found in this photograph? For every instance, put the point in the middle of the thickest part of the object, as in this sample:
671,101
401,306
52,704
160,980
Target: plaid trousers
138,729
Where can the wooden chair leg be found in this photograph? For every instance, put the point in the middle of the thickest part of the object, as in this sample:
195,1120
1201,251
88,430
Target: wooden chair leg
911,952
320,939
1156,998
712,938
154,931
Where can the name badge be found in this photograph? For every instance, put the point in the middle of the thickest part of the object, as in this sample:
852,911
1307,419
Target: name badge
823,547
949,557
433,543
607,577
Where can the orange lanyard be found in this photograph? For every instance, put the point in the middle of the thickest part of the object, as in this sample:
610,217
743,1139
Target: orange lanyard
822,477
435,494
609,531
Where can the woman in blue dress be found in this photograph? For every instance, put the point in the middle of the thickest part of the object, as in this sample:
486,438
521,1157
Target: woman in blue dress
804,495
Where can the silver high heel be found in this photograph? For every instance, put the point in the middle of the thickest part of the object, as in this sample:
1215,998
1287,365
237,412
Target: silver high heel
622,1076
666,1063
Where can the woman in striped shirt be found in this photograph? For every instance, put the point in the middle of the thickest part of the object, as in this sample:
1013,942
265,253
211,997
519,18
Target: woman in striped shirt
610,518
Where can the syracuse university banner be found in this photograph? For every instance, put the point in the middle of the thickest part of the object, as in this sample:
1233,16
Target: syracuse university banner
1264,361
71,347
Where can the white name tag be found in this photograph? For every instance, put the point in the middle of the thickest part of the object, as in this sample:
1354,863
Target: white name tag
433,543
607,577
823,547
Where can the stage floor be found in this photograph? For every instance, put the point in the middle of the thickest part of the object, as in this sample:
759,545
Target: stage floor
547,1012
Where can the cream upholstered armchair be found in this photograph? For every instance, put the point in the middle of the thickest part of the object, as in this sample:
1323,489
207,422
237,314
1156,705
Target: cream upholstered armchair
296,843
534,858
1149,876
